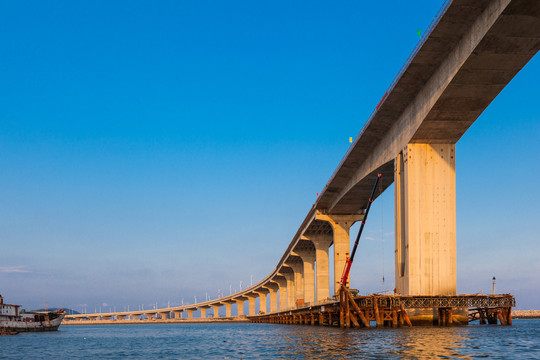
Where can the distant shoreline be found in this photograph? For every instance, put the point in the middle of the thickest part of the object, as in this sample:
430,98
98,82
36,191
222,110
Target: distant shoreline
526,314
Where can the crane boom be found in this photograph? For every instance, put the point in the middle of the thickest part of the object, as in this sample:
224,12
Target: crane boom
350,259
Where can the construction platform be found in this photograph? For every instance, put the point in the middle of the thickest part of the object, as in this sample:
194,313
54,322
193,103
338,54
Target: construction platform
394,311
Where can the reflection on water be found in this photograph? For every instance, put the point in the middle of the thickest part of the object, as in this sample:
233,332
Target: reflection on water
431,342
268,341
468,342
415,343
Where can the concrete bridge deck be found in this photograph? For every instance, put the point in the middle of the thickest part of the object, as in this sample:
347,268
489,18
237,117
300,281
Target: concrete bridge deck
224,320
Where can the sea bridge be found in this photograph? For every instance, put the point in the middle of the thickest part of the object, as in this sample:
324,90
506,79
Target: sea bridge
471,51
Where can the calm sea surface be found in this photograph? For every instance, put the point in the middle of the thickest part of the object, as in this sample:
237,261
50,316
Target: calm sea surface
268,341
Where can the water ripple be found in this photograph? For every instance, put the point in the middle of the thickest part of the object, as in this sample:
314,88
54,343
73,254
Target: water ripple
256,341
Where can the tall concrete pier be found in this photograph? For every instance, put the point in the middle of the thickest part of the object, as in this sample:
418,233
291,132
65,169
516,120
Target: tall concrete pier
425,215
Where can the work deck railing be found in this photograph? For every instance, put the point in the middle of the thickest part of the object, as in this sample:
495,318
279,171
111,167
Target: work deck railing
395,311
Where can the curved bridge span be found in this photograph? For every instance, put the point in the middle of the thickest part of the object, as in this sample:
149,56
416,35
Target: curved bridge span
472,50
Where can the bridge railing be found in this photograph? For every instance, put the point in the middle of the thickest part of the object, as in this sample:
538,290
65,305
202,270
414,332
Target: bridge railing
400,73
421,42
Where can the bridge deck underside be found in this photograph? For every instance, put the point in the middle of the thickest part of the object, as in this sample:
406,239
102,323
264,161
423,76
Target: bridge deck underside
507,46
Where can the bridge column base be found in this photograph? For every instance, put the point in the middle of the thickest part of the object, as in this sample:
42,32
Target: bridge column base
432,316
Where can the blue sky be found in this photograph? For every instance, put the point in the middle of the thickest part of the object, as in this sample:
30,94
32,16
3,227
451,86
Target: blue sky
158,151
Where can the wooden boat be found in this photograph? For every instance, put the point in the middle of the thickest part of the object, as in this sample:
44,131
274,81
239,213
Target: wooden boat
13,321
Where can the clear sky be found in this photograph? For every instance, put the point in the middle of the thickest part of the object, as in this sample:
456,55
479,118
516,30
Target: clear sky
157,150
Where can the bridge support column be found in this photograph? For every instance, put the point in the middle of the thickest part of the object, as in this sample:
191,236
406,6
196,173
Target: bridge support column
290,293
425,208
282,282
164,315
190,314
322,245
262,300
216,310
177,314
308,262
228,310
298,294
203,313
251,300
273,289
341,225
240,306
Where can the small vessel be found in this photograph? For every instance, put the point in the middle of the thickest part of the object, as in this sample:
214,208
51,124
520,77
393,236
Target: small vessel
13,321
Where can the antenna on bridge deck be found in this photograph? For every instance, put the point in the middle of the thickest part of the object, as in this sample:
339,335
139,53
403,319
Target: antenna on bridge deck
349,261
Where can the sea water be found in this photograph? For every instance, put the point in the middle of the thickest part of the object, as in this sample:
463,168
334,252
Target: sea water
272,341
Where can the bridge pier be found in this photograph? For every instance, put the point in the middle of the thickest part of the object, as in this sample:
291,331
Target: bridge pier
228,306
273,289
425,225
203,312
308,263
251,304
240,306
287,291
282,282
190,313
425,231
262,292
296,264
216,310
322,245
341,225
